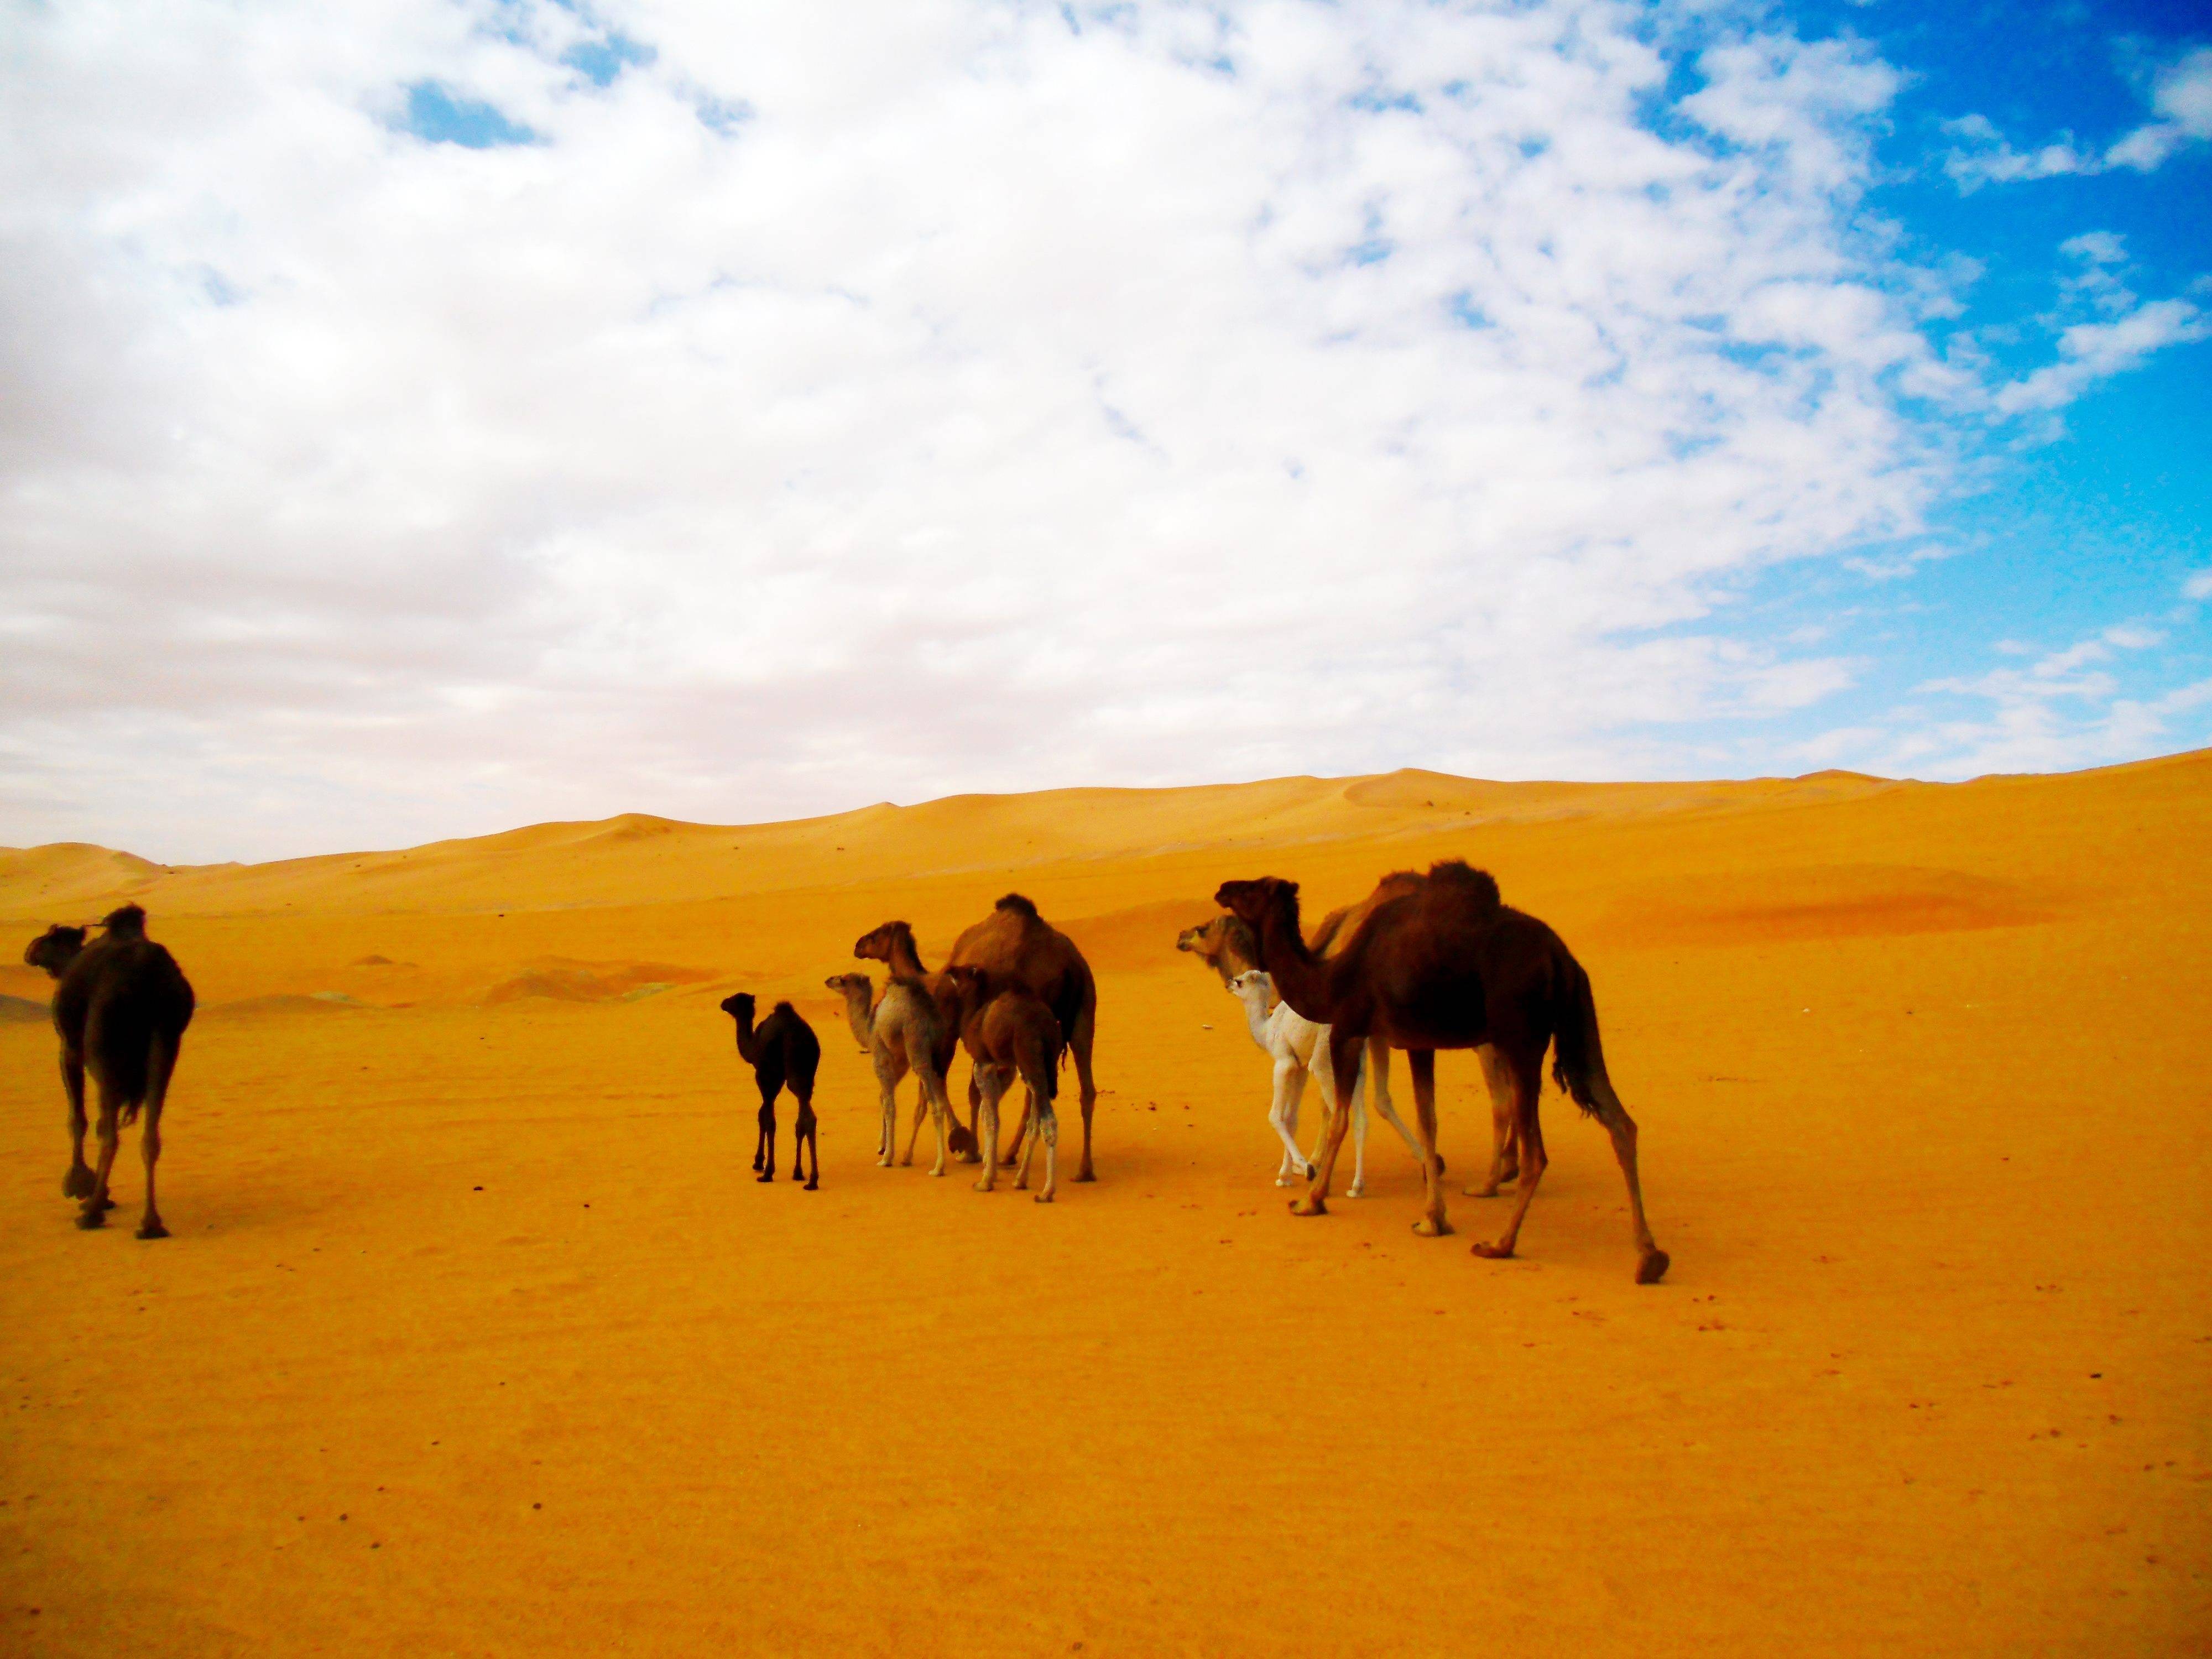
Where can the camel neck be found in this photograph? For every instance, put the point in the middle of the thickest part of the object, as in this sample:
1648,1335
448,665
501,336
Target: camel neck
1299,977
1256,1012
859,1016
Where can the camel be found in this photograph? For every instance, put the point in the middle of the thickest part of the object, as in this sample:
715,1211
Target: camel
1341,924
1449,965
901,1033
121,1004
1299,1047
1006,1028
1014,943
782,1049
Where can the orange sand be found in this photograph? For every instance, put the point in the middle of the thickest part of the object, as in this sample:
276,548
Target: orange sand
475,1336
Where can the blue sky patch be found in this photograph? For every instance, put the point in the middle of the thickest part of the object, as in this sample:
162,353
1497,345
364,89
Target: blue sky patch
437,117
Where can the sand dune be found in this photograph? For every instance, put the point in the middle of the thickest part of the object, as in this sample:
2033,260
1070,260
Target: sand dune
475,1336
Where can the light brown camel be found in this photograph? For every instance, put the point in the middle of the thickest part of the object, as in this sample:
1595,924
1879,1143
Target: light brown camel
901,1033
1225,944
1449,965
1014,944
1007,1028
121,1006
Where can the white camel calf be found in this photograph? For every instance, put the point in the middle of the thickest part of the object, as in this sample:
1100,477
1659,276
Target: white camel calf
1300,1047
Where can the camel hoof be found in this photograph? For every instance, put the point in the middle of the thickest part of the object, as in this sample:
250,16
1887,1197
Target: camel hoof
153,1230
1308,1206
1428,1229
812,1187
1653,1268
1085,1178
984,1187
1494,1252
1355,1192
1478,1192
77,1183
91,1219
1286,1180
1044,1198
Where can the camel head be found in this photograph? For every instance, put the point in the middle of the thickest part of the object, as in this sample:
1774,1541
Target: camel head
1195,939
1252,901
739,1007
55,949
879,944
846,984
1253,986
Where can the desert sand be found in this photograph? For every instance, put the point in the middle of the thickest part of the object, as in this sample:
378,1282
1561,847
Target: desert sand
477,1337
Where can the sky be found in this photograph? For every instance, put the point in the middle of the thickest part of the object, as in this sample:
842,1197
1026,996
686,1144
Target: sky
419,419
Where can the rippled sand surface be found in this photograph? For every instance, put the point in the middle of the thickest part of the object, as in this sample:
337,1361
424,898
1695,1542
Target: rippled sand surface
475,1335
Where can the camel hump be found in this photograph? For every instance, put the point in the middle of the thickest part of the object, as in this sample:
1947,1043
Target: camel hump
128,922
1019,906
1478,887
784,1008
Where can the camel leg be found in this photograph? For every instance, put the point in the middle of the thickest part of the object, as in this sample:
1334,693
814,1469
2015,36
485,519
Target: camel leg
802,1130
93,1212
940,1106
767,1129
1344,1062
1527,1071
809,1134
923,1106
889,1070
989,1090
1378,1064
1325,1071
1048,1130
969,1155
77,1183
1504,1159
1422,1063
1078,1043
1283,1116
1022,1126
1651,1262
160,1061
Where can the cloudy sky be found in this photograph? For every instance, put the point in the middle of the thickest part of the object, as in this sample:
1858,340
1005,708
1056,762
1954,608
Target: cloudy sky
422,418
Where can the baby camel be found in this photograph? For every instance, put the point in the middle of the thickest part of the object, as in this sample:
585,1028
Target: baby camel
1298,1048
783,1049
1008,1029
900,1034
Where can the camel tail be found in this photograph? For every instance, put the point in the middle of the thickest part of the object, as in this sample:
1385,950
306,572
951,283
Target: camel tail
1577,1056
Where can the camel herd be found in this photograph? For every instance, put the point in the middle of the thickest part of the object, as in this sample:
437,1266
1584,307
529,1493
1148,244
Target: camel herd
1425,961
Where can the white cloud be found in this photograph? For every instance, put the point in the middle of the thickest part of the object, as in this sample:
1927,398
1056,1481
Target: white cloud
2067,708
2089,352
2180,96
2181,93
876,401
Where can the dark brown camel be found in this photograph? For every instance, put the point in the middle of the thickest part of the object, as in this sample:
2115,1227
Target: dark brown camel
1014,944
121,1004
1448,965
783,1049
1008,1030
